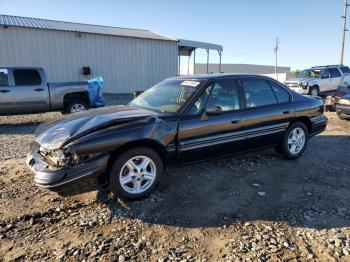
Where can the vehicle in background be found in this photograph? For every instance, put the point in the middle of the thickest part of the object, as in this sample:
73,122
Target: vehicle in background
318,80
180,120
340,101
25,90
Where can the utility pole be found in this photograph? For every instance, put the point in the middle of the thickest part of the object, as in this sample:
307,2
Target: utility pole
344,30
276,50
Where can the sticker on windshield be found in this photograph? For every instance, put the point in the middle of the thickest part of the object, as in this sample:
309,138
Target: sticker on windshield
190,83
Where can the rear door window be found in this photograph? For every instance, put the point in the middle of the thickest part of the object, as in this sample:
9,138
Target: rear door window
334,72
258,92
26,77
4,81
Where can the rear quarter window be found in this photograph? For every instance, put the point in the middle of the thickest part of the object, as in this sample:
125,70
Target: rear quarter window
345,69
281,93
26,77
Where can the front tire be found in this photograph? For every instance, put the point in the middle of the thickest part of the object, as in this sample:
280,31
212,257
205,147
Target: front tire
135,173
295,140
314,91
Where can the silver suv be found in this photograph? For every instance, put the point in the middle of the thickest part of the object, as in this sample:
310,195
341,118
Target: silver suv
318,79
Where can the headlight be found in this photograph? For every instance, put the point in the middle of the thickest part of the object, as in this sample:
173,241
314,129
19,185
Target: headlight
344,102
58,157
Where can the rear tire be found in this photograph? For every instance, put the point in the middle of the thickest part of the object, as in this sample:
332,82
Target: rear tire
295,140
135,173
76,106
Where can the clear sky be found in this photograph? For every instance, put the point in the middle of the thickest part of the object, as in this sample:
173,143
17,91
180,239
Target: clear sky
309,30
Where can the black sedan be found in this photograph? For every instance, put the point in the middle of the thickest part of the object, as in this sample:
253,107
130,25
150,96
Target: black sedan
179,120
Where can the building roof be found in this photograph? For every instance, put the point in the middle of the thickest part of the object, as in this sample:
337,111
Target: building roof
196,44
29,22
216,75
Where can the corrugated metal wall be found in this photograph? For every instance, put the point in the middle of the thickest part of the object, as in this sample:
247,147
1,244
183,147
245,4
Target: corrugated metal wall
126,64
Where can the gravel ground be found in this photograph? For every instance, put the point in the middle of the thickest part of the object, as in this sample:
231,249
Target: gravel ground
258,207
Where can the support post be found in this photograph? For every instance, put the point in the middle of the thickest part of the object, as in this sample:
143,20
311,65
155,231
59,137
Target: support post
194,61
207,61
188,64
220,62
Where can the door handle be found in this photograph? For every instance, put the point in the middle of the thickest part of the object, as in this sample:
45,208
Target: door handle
235,121
4,91
39,89
286,112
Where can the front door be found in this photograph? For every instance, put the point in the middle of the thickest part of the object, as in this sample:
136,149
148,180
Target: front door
6,94
203,134
31,94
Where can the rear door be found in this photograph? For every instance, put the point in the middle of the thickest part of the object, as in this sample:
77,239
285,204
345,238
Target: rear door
31,92
268,111
203,136
335,78
6,93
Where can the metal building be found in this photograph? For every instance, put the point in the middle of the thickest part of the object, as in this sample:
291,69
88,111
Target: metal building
282,71
127,59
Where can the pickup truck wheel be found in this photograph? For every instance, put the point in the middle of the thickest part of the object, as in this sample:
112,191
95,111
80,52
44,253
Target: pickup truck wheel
295,140
77,106
135,173
314,91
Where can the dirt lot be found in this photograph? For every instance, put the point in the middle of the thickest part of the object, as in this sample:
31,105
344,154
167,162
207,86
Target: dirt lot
254,207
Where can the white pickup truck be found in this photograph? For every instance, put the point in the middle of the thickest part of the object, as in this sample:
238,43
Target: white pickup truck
318,80
25,90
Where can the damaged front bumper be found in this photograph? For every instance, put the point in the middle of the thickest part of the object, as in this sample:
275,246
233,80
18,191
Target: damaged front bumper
49,177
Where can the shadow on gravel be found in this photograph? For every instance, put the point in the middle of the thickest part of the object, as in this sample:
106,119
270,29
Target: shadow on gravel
19,129
312,191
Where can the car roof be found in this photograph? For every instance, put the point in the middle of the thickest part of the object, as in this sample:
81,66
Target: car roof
216,76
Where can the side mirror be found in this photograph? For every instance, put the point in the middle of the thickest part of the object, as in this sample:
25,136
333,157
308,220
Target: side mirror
213,110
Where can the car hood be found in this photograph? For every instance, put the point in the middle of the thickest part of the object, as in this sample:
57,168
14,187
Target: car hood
53,135
347,97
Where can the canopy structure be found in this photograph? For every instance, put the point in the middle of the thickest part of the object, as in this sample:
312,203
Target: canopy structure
187,47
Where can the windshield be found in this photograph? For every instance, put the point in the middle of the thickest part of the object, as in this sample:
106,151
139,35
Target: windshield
167,96
310,73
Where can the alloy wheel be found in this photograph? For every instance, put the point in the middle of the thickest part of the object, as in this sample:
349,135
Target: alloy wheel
314,92
77,108
296,140
137,174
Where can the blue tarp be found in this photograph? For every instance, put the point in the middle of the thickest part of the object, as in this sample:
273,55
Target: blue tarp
95,86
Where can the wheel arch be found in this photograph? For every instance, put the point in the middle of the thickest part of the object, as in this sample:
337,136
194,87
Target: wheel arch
70,97
148,143
305,120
